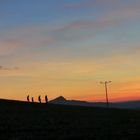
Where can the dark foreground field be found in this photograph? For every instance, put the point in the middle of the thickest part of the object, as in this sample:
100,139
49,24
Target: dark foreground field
26,121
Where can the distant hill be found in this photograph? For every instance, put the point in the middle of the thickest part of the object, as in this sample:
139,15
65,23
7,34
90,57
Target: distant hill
64,101
127,105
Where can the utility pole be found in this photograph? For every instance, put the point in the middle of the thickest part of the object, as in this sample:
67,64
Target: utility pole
106,92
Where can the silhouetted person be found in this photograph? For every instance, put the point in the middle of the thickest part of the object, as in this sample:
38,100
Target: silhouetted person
28,98
32,99
39,98
46,99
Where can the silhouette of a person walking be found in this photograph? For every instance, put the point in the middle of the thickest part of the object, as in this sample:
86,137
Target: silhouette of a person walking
39,98
28,98
32,99
46,99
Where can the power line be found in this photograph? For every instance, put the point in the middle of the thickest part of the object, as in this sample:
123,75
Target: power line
106,91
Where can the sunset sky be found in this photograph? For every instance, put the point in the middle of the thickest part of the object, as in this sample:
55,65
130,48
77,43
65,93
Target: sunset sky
66,47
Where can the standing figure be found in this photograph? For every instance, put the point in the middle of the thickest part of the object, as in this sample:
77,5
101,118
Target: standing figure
28,98
46,99
32,99
39,98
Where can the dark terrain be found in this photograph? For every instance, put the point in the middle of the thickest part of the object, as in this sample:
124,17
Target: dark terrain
26,121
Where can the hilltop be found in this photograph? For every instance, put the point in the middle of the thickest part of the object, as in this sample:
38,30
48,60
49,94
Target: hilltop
22,120
124,105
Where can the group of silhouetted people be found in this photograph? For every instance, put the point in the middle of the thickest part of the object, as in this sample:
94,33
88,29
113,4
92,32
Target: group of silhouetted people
39,99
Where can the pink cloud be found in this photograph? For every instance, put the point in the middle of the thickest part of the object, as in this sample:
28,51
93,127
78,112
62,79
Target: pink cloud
114,18
91,3
9,46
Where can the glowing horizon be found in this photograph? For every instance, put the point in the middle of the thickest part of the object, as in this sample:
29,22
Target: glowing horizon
67,48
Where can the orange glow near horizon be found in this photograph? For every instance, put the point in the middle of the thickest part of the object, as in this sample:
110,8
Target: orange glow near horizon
77,81
85,91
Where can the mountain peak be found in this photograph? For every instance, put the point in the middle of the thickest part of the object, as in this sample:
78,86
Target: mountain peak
58,99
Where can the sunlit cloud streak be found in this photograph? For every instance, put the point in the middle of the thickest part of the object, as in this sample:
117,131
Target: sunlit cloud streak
8,68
